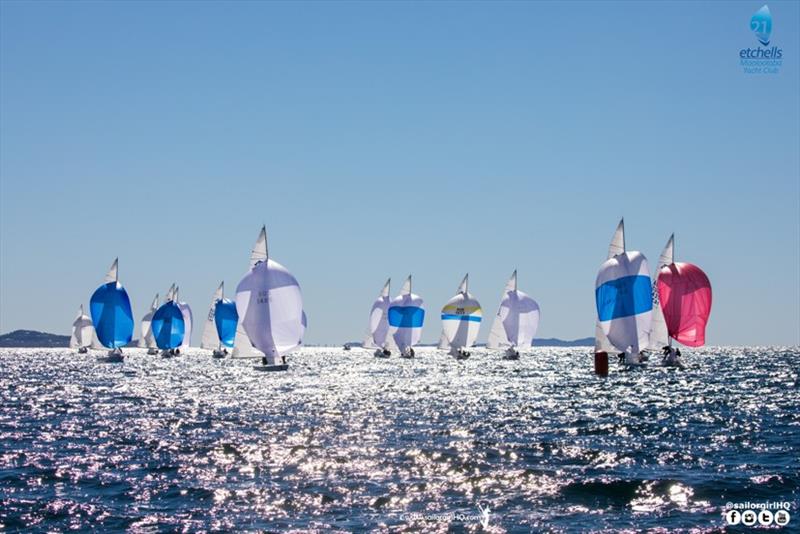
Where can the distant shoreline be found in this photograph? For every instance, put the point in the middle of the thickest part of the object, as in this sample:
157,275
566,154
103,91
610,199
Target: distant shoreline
21,339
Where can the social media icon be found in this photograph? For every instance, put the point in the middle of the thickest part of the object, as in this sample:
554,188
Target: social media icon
733,517
782,518
749,518
765,517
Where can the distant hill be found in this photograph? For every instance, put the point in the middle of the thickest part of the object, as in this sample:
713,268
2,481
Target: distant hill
554,342
32,338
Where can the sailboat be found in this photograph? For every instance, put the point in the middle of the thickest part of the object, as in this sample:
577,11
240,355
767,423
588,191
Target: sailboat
168,325
82,332
516,321
220,328
406,316
146,340
270,309
461,321
684,297
378,337
624,301
112,316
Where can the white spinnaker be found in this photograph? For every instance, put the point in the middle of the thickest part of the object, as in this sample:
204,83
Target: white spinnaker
659,337
270,307
146,339
516,321
461,318
378,329
210,339
82,331
617,246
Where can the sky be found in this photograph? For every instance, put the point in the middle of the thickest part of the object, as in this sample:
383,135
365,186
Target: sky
380,139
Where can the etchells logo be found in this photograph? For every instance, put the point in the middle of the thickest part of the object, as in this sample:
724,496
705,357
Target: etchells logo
761,24
763,59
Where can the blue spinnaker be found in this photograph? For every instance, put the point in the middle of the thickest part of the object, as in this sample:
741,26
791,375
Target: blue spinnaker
112,315
225,319
168,326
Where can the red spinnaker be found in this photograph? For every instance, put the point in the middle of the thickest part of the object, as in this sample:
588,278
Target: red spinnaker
685,295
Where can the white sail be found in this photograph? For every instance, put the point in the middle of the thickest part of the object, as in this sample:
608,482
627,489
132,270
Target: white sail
406,317
112,274
624,301
210,339
259,252
170,294
146,339
516,321
617,246
659,337
242,346
82,331
461,318
186,311
378,330
270,306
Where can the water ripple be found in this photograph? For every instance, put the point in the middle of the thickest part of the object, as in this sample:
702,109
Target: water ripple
344,441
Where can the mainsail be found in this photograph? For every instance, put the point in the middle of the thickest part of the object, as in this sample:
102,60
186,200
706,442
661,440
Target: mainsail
210,339
186,311
146,339
220,327
659,337
461,318
82,331
168,324
270,306
617,246
516,321
378,329
624,301
111,312
406,316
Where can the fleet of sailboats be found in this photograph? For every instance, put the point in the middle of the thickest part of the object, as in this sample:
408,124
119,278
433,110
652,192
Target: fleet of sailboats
636,316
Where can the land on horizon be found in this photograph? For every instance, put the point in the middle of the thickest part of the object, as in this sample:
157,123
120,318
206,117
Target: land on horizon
36,339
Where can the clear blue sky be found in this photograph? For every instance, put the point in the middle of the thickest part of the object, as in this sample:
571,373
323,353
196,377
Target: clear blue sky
378,139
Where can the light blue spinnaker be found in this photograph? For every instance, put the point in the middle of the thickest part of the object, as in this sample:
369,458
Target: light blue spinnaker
111,312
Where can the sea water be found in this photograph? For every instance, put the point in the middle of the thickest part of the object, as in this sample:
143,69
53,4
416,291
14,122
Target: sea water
344,441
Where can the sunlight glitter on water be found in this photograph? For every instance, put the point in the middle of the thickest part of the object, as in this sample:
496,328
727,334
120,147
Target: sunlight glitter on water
346,441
